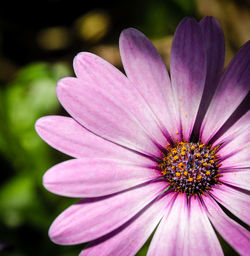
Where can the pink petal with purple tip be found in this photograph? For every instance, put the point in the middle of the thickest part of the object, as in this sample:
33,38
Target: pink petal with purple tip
233,88
215,52
131,238
215,48
90,219
188,72
237,236
110,82
145,68
237,177
96,109
234,200
95,177
69,137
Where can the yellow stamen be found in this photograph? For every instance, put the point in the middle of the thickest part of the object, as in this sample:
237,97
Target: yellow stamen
183,153
201,146
198,177
190,179
180,165
207,172
204,164
198,154
178,174
176,158
192,148
185,173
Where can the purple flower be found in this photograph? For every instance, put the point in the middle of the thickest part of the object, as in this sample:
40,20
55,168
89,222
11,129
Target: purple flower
151,150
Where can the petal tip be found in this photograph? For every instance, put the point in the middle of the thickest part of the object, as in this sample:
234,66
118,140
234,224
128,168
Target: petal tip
127,33
41,123
187,21
55,236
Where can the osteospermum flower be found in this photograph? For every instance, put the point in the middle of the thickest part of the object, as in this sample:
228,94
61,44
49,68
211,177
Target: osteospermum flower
153,151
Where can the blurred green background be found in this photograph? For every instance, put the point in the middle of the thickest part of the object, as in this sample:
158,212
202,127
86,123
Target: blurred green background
38,42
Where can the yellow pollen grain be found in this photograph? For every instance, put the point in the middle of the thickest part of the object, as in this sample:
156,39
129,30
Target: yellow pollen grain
164,172
177,132
204,164
207,172
178,174
198,154
211,161
183,153
186,115
184,149
190,179
198,177
174,152
176,157
192,148
206,155
185,173
201,145
181,165
172,167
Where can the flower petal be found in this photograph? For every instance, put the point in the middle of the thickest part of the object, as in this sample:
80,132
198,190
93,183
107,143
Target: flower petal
95,177
234,131
233,88
128,240
236,153
95,108
145,68
69,137
237,236
169,238
202,239
90,219
110,82
186,230
215,52
188,72
234,145
235,201
237,177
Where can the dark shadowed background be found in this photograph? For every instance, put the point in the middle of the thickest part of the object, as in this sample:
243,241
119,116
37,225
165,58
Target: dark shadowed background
38,41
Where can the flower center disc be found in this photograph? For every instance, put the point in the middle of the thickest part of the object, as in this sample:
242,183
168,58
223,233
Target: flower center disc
190,168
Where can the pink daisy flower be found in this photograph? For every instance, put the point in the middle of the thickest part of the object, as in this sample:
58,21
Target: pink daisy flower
153,151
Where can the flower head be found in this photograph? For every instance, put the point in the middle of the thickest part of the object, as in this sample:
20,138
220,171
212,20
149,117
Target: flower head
151,150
